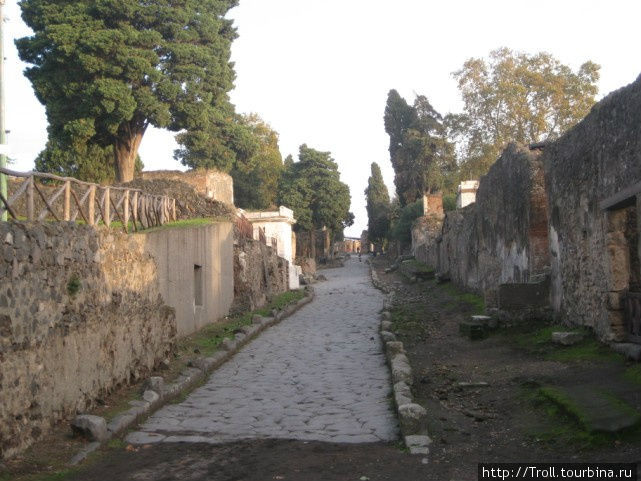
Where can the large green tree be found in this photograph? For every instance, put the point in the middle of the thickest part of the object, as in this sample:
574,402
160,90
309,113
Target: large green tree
256,177
378,206
108,69
516,97
422,157
312,188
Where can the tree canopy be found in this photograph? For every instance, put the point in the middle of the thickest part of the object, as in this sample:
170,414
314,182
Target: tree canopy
378,206
107,69
516,97
312,188
256,178
421,155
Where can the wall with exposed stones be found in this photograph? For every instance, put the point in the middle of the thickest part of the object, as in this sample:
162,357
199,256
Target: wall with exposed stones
593,176
212,184
502,238
80,312
511,220
259,274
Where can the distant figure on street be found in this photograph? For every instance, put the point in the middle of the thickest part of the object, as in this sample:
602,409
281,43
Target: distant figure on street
358,249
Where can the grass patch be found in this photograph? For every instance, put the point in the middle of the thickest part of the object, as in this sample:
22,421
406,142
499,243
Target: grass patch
116,443
586,350
536,338
109,412
209,339
633,374
407,321
476,302
418,266
561,422
53,476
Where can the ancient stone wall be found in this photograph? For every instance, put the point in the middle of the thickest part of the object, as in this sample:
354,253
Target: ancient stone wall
501,238
209,183
425,232
457,248
511,220
80,312
259,274
592,177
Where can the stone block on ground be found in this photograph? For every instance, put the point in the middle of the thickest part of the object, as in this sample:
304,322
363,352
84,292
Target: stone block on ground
121,422
597,411
156,383
228,344
401,370
393,348
488,321
418,444
473,330
92,427
567,338
386,325
629,350
82,455
151,396
412,418
388,336
402,394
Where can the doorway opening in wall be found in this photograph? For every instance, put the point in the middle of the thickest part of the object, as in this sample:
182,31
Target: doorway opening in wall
198,285
625,267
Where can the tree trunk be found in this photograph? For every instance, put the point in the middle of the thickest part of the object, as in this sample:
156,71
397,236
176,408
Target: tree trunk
312,243
126,150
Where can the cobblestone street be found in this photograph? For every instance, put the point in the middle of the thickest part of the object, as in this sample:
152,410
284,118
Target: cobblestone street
319,375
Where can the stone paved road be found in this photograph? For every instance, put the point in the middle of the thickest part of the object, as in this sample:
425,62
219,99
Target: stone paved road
318,375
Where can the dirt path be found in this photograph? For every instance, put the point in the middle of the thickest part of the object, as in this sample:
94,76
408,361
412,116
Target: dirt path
484,397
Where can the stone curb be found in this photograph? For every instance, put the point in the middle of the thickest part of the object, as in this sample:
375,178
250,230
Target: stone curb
412,416
198,370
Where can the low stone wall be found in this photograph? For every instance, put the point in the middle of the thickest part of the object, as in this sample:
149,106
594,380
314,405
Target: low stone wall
259,274
80,313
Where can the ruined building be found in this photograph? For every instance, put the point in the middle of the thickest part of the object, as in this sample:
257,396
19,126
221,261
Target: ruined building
554,230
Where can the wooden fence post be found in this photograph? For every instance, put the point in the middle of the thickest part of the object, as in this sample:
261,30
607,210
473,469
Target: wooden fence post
135,205
92,205
107,207
126,213
30,207
66,212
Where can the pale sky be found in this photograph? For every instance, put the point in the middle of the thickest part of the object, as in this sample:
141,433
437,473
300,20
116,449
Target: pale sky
318,71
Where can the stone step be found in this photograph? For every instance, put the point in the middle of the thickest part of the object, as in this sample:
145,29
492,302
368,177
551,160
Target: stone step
596,410
473,329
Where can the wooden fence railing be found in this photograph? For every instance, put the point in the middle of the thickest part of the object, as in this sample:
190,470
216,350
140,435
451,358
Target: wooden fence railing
68,199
